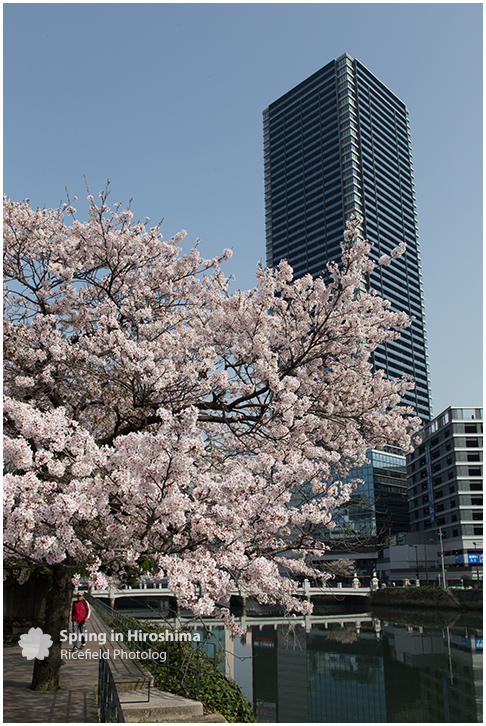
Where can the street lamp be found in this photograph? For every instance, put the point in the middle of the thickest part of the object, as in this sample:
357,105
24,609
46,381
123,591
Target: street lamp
426,562
444,583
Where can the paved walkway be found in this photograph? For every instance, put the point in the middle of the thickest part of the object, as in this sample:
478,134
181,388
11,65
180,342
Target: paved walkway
73,702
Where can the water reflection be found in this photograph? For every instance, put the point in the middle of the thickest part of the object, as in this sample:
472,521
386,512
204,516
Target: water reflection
362,668
368,671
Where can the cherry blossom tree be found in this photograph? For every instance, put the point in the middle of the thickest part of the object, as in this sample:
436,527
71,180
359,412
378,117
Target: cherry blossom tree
152,415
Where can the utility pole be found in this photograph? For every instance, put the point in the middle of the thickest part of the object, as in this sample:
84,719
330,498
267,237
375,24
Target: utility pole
417,563
444,582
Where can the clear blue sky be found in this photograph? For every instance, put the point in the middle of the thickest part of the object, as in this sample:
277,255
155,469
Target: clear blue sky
166,101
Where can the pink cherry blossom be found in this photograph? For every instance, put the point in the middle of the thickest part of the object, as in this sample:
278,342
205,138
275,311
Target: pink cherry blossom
150,413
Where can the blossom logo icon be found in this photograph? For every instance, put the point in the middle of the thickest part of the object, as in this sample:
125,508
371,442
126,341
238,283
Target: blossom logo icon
35,644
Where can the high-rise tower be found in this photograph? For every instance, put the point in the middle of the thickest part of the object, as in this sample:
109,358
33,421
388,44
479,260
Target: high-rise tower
335,145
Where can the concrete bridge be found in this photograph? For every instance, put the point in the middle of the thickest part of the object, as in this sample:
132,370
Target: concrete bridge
306,590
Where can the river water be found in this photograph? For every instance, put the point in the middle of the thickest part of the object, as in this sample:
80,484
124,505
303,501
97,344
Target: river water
386,666
365,670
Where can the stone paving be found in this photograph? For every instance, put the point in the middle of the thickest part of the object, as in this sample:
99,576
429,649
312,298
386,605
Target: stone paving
73,702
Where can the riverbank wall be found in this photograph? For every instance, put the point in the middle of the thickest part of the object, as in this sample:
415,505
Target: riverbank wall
422,597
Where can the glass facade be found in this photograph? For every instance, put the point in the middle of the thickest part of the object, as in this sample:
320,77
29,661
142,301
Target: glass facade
339,144
378,506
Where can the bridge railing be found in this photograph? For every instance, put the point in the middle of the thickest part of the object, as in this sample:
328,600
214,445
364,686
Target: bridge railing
305,588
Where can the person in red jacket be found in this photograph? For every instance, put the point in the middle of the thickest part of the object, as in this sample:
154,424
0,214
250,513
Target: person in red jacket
80,614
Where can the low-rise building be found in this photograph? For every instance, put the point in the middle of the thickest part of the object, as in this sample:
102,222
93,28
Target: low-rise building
409,558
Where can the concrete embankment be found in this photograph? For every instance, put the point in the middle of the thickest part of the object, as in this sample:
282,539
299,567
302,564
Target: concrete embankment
421,597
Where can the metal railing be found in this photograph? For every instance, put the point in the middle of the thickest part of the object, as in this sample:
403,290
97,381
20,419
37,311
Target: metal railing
108,701
119,623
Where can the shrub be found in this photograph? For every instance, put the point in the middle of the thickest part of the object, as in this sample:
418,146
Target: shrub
179,675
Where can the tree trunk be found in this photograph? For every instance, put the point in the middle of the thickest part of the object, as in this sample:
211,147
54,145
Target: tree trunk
58,610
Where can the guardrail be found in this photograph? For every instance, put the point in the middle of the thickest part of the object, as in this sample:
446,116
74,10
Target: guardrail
108,701
120,623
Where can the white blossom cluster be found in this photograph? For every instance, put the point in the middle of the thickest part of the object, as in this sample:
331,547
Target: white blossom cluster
150,414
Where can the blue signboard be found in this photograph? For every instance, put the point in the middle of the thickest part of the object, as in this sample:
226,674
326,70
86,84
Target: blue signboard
459,559
479,643
476,558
